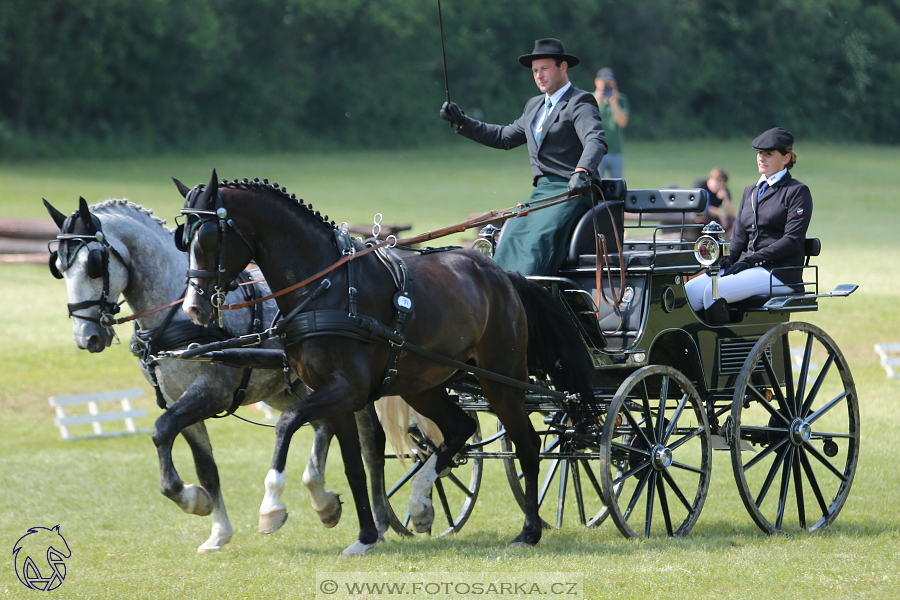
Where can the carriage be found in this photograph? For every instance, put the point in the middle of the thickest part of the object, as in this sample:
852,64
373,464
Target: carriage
674,387
667,386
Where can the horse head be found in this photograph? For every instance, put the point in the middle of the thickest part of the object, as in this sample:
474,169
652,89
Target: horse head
94,272
208,236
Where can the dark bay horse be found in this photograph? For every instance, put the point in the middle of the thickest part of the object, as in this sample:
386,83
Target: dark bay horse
464,307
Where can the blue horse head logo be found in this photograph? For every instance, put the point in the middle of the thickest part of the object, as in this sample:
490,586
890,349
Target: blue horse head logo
39,558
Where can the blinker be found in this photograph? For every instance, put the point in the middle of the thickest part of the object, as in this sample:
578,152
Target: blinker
95,264
208,236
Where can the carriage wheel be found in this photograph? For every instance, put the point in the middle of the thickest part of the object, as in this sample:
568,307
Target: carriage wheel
453,494
655,452
562,476
798,435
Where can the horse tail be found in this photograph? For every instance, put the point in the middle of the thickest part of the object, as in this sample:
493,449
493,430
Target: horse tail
554,344
395,416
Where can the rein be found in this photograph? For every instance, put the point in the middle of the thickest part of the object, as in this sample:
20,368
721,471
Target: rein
480,221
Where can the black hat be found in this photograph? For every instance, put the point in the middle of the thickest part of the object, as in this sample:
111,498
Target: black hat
548,48
773,139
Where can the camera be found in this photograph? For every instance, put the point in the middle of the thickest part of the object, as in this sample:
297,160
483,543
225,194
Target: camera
608,91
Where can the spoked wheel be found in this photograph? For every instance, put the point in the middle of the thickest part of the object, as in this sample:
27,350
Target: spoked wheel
453,494
567,473
796,417
656,431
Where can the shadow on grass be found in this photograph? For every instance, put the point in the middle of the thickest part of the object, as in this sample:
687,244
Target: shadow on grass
712,536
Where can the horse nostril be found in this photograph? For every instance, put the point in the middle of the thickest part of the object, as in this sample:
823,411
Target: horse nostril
95,344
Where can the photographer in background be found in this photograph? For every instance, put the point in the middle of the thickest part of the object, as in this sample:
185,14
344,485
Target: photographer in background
614,114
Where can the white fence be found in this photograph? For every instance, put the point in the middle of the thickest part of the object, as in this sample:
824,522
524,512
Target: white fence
890,358
94,416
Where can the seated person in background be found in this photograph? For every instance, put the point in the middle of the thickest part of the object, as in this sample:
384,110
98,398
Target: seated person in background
720,208
770,230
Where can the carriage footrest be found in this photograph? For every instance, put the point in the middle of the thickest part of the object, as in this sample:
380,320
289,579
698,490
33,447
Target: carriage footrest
786,302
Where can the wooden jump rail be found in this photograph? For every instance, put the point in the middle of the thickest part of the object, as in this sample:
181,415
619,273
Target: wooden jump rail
24,241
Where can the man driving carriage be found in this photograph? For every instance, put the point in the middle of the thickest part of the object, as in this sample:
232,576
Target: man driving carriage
566,143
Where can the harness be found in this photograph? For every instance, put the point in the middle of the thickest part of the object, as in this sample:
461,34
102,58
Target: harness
145,343
301,325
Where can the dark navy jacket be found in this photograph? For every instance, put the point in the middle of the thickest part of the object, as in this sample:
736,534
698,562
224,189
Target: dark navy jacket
573,135
782,219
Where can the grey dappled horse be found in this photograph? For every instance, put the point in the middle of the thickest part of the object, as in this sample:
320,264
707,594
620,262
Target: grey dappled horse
135,257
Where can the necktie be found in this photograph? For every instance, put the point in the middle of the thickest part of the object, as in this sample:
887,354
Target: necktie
540,127
753,235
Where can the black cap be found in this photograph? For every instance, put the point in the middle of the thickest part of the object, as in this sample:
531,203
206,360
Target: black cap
548,48
773,139
605,74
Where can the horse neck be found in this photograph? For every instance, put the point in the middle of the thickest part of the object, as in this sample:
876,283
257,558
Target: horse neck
156,268
292,245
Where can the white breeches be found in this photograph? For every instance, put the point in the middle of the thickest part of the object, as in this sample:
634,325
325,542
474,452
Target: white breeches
746,284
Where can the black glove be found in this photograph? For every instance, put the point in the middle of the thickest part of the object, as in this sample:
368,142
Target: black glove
723,266
736,268
451,112
580,184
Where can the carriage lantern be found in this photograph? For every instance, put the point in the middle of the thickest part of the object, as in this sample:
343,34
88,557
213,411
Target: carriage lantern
710,249
711,246
487,240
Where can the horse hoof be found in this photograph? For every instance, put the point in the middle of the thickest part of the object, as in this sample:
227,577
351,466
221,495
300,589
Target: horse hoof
521,545
358,549
332,513
273,521
423,521
195,500
211,545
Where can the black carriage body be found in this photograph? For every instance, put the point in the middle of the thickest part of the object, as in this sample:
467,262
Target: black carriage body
655,324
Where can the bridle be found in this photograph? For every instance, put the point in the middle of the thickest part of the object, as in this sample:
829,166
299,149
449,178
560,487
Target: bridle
210,227
97,267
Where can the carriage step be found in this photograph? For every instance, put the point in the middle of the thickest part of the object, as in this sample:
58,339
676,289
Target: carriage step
718,443
95,417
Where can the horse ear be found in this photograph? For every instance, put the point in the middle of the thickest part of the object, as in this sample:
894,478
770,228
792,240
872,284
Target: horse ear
183,189
211,192
57,216
85,213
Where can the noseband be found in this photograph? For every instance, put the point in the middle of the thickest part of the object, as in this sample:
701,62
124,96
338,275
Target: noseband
210,227
97,267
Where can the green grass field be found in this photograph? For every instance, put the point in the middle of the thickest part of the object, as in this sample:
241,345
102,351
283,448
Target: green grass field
128,541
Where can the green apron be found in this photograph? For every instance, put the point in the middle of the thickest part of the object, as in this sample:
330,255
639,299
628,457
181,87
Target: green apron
536,244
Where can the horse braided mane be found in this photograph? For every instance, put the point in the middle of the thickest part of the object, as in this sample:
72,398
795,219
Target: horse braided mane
264,185
115,204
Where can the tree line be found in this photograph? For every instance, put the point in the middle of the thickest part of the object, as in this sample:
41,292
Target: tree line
162,75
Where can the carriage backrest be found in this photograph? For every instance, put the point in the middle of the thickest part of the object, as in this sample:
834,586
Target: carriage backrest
609,215
665,201
619,200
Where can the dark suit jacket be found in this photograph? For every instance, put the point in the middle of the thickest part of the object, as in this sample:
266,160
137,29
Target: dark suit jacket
783,217
572,135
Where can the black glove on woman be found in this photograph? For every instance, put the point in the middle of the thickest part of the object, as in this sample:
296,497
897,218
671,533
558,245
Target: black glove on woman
736,268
